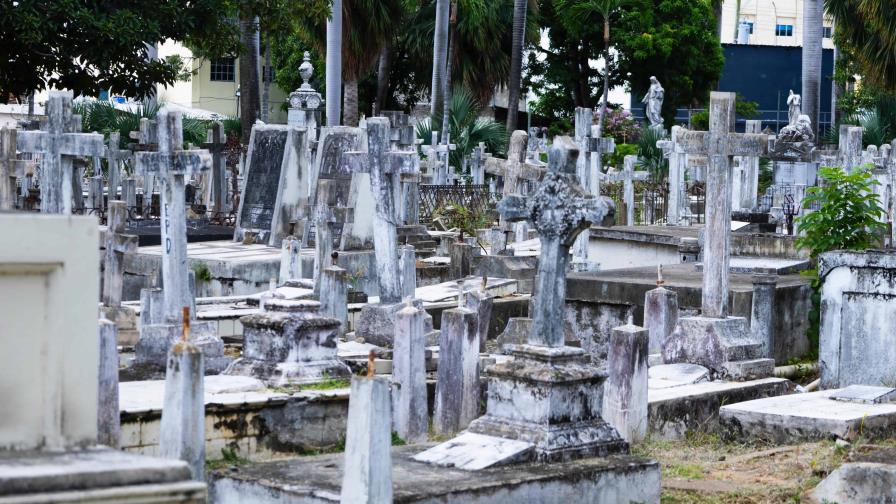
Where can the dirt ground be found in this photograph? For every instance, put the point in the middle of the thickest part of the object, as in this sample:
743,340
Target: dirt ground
702,470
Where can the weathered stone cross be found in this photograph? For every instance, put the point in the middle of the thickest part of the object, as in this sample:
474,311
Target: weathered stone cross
628,176
385,170
677,165
59,143
117,245
719,144
116,158
172,164
559,210
324,215
147,140
10,168
514,168
215,191
477,164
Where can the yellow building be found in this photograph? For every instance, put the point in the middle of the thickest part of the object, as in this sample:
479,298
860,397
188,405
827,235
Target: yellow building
771,22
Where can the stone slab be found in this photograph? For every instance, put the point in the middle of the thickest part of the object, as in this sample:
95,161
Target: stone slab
865,394
809,416
674,410
858,482
31,472
777,266
608,480
148,395
473,452
676,375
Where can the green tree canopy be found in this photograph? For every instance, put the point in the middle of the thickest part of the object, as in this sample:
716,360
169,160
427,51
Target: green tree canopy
89,47
865,30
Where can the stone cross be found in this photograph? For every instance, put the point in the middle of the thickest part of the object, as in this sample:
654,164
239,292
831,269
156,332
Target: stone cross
215,192
10,168
559,210
746,183
324,215
628,176
59,144
678,162
514,168
116,158
147,140
476,166
172,165
719,144
117,245
385,168
443,151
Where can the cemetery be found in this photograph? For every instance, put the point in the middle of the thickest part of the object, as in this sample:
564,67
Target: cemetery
519,282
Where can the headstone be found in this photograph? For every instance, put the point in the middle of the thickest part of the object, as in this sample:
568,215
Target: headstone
290,260
117,245
477,165
628,177
116,159
410,413
408,267
461,265
457,385
147,141
748,174
367,474
11,168
479,302
678,204
182,428
95,201
215,189
129,193
560,411
514,169
334,296
327,217
290,342
851,147
762,315
660,313
276,181
714,339
625,392
108,420
58,144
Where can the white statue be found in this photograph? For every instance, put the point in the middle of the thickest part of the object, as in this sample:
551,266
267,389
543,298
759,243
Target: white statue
794,108
654,103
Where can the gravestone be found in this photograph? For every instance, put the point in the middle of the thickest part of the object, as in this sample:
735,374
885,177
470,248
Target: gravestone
116,158
367,477
410,416
678,205
548,394
11,168
61,141
714,340
628,176
215,187
275,183
117,245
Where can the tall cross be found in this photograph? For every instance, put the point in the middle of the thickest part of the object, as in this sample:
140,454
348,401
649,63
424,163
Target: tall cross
324,214
477,164
117,245
719,144
559,210
443,151
628,176
514,169
10,168
385,168
677,165
116,158
402,137
147,140
59,144
172,164
215,192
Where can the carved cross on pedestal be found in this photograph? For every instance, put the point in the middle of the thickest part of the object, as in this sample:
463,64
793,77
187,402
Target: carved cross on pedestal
385,170
628,176
172,164
477,164
443,152
719,144
116,158
215,191
59,144
117,245
559,210
514,169
10,168
675,206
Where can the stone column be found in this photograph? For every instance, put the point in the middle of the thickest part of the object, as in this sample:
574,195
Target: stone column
678,162
290,260
108,416
182,429
410,414
625,392
457,386
334,296
367,476
628,190
461,260
762,318
660,315
408,261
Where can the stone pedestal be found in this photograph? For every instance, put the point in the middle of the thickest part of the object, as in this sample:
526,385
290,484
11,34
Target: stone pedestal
625,393
723,345
289,343
376,323
156,340
550,397
457,387
660,316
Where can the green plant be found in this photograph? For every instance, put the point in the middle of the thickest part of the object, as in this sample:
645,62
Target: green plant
847,218
203,274
617,158
463,218
650,157
229,457
766,175
396,440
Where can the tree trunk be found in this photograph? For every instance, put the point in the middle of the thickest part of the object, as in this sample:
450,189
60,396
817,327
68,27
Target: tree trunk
836,89
811,65
334,65
266,83
603,104
446,86
382,79
516,62
350,112
249,88
439,57
717,12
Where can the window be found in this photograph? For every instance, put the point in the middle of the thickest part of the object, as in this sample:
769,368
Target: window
222,70
783,30
827,31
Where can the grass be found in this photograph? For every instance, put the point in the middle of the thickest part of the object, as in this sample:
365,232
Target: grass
229,458
326,383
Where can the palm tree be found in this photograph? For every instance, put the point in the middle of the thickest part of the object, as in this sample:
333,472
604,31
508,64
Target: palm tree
811,67
439,56
866,33
334,64
605,8
516,62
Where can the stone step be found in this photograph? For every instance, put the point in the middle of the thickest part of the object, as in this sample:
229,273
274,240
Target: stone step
745,370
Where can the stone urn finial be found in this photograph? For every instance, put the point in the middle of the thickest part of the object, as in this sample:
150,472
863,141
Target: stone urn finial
305,69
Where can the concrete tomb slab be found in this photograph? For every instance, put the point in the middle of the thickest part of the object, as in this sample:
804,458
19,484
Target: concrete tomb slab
865,394
473,452
682,373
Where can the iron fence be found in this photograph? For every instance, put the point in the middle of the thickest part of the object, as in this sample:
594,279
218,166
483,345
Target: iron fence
651,201
475,198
